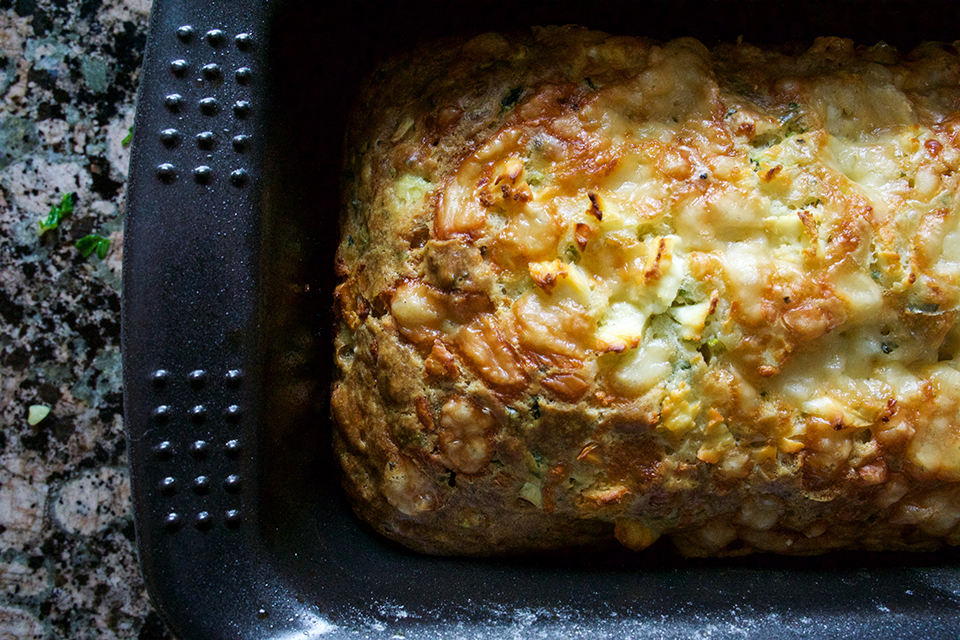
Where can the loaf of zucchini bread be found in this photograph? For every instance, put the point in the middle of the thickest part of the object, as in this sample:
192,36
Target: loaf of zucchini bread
596,287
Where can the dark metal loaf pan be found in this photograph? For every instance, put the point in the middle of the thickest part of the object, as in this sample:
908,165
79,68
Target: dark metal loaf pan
230,232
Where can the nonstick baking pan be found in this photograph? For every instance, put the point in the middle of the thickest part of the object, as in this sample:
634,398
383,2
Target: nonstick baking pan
231,227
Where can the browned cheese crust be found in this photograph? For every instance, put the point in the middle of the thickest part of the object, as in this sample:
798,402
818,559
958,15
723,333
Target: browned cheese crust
595,286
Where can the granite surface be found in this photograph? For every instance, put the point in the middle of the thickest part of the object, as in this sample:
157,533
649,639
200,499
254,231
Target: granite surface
68,79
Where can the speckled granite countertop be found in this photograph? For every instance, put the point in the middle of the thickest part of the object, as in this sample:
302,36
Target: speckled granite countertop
68,78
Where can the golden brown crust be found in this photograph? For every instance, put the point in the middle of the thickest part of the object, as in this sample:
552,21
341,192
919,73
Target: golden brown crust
595,287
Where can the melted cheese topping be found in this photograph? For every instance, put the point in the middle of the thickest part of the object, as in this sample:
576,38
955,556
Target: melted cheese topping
666,235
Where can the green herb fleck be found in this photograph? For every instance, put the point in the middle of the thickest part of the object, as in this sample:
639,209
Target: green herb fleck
57,213
511,99
90,243
888,347
127,140
926,308
36,414
712,349
684,298
535,408
538,459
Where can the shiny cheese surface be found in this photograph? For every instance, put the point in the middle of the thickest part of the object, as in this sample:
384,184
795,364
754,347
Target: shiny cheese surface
661,273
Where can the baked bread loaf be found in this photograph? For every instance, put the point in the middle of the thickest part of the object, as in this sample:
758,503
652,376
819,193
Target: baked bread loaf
596,286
